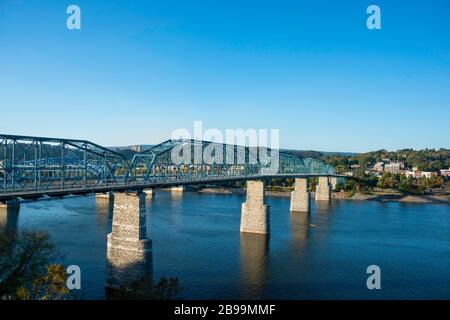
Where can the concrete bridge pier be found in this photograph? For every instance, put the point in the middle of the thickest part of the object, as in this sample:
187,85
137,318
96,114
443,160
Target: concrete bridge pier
177,189
323,189
9,218
10,204
105,196
129,251
254,211
149,192
333,182
300,198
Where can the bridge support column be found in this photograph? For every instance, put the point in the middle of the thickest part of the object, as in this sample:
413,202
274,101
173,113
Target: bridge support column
10,204
254,211
129,251
179,189
149,192
9,217
333,182
323,189
105,196
300,200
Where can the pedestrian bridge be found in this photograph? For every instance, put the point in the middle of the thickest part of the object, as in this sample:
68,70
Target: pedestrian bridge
32,167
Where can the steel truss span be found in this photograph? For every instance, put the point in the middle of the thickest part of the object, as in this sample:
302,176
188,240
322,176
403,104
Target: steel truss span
40,165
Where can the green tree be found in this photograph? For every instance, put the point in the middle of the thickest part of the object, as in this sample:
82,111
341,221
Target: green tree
25,267
51,286
388,181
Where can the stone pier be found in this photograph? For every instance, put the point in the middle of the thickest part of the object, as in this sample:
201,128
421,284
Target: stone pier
105,196
178,189
333,182
9,218
10,204
300,199
254,211
323,189
129,251
149,192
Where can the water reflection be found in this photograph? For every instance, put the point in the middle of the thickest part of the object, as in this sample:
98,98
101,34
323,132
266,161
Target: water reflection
104,206
104,211
300,230
9,220
149,197
322,207
323,212
176,194
254,251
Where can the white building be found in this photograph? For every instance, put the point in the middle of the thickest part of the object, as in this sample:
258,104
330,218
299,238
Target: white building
379,167
419,174
394,167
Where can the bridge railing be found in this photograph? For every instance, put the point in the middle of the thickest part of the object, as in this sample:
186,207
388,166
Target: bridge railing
40,164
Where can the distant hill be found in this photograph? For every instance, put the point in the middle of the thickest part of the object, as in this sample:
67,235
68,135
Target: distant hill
317,154
130,151
337,153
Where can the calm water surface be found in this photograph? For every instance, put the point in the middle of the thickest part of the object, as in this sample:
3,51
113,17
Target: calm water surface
323,255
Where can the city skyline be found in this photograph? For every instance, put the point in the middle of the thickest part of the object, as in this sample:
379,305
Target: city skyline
134,73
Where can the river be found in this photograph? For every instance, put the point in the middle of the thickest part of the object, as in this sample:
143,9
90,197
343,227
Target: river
321,255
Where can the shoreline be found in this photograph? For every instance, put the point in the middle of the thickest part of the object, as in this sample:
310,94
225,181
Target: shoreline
382,197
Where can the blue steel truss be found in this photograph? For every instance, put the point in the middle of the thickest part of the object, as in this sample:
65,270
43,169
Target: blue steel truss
39,164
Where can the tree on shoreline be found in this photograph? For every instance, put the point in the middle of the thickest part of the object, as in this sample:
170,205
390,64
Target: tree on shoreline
26,271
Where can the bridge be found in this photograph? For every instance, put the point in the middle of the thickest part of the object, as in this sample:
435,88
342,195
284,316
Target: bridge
35,167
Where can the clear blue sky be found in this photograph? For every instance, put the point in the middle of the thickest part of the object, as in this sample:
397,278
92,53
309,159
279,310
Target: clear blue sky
137,70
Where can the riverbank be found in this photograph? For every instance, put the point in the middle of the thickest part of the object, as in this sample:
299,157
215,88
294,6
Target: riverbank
375,196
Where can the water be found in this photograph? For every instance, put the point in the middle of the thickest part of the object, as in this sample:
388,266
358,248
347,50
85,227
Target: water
323,255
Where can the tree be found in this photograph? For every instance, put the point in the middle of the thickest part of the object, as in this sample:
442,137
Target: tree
312,182
388,180
372,181
436,181
25,269
407,184
51,286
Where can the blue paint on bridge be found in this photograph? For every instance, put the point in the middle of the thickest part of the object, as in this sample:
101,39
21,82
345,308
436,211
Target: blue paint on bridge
31,167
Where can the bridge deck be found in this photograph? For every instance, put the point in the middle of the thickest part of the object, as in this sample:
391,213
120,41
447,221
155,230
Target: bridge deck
135,186
31,167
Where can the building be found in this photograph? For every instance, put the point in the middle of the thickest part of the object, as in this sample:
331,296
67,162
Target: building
136,148
427,174
379,167
419,174
445,173
411,173
394,167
